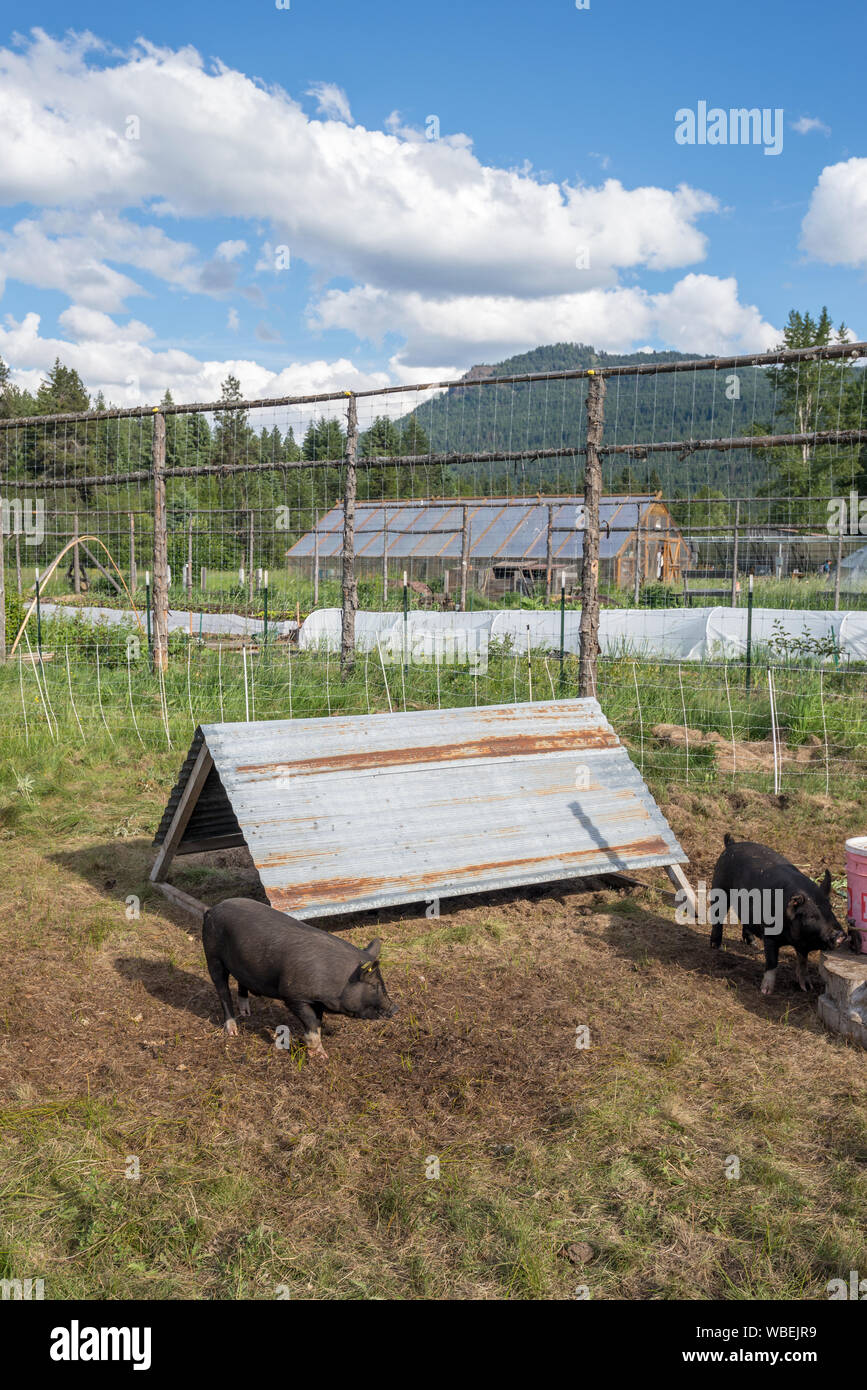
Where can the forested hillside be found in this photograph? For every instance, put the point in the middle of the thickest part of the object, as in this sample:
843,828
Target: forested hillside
672,406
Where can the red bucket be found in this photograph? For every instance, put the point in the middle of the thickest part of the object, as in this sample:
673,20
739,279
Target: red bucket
856,882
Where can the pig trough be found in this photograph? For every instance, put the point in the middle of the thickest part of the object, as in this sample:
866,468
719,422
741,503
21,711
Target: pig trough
357,812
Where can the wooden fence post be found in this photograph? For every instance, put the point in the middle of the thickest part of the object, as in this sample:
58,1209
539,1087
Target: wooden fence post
350,587
385,557
161,546
589,629
18,562
839,562
636,578
465,555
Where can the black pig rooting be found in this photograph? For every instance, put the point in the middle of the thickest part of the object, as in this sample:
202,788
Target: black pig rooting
277,956
808,922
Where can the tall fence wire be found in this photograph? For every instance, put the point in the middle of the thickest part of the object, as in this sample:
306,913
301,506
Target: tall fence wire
666,535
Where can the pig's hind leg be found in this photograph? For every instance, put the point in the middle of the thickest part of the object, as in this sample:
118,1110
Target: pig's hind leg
772,955
220,976
243,1001
719,913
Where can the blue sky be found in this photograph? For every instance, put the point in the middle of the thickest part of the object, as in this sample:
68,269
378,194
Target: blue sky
146,193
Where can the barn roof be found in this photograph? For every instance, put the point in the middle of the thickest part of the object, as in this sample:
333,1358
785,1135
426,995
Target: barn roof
500,528
474,799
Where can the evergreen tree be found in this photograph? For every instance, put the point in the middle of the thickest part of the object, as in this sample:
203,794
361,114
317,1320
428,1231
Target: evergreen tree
414,440
176,435
291,450
851,468
324,440
198,437
64,449
381,440
234,442
13,401
808,398
233,437
62,392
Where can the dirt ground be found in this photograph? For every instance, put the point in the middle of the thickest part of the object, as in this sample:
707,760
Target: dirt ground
706,1143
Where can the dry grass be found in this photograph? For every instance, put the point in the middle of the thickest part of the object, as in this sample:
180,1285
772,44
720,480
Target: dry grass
258,1170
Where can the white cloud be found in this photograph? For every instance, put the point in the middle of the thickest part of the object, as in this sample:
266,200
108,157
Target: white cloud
90,326
463,259
230,250
834,229
424,214
234,322
700,313
331,101
69,250
128,372
805,124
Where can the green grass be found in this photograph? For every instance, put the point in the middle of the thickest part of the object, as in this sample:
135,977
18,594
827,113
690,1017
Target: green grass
68,706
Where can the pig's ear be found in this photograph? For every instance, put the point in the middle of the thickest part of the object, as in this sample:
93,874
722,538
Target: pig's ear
372,951
795,902
825,883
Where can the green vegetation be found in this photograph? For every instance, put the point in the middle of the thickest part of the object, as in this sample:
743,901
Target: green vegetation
821,709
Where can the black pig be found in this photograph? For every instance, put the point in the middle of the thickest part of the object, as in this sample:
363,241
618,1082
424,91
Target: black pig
775,901
311,970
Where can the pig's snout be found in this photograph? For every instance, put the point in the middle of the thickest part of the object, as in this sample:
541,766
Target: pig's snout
391,1011
840,938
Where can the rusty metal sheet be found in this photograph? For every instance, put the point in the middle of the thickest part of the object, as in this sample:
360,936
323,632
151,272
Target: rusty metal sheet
365,811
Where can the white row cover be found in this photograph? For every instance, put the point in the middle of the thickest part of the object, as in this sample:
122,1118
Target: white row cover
210,624
680,634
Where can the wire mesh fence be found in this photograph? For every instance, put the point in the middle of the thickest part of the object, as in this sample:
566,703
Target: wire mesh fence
159,563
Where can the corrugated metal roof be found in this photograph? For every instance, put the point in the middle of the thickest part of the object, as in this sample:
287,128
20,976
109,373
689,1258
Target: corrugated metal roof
500,528
212,816
363,811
